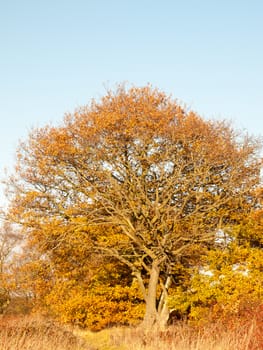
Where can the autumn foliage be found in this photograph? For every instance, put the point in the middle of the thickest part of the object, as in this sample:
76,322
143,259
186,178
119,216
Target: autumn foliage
128,202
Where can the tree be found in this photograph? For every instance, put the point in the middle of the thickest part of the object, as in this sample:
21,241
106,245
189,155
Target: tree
9,240
105,299
229,284
148,183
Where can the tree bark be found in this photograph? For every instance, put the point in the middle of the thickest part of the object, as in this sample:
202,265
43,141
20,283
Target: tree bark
163,310
151,313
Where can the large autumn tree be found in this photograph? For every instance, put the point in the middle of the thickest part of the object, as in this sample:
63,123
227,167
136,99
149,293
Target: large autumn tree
147,182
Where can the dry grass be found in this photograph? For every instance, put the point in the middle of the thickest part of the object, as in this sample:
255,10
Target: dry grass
35,333
183,337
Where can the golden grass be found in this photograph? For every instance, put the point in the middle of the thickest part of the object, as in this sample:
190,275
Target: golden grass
184,337
35,333
105,339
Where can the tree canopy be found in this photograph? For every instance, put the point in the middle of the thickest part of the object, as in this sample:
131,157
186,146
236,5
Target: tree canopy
138,179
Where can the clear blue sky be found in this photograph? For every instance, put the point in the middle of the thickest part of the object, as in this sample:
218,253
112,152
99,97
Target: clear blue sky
55,55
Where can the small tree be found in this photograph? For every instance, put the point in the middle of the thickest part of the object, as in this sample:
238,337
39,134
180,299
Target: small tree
9,240
229,284
147,182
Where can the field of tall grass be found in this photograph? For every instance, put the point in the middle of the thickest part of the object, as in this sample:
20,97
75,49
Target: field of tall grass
184,337
38,333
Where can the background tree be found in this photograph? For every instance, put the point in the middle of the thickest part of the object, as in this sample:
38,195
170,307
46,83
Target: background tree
229,284
147,182
9,241
73,285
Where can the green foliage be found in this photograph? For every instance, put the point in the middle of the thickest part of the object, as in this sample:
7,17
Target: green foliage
229,280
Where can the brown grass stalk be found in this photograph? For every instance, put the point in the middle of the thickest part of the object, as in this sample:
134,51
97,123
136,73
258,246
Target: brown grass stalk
217,336
36,333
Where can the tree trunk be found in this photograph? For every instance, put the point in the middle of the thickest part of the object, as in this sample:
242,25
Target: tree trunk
163,310
151,313
163,316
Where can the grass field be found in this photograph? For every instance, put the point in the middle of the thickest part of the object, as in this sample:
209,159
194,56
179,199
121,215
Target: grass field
36,333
